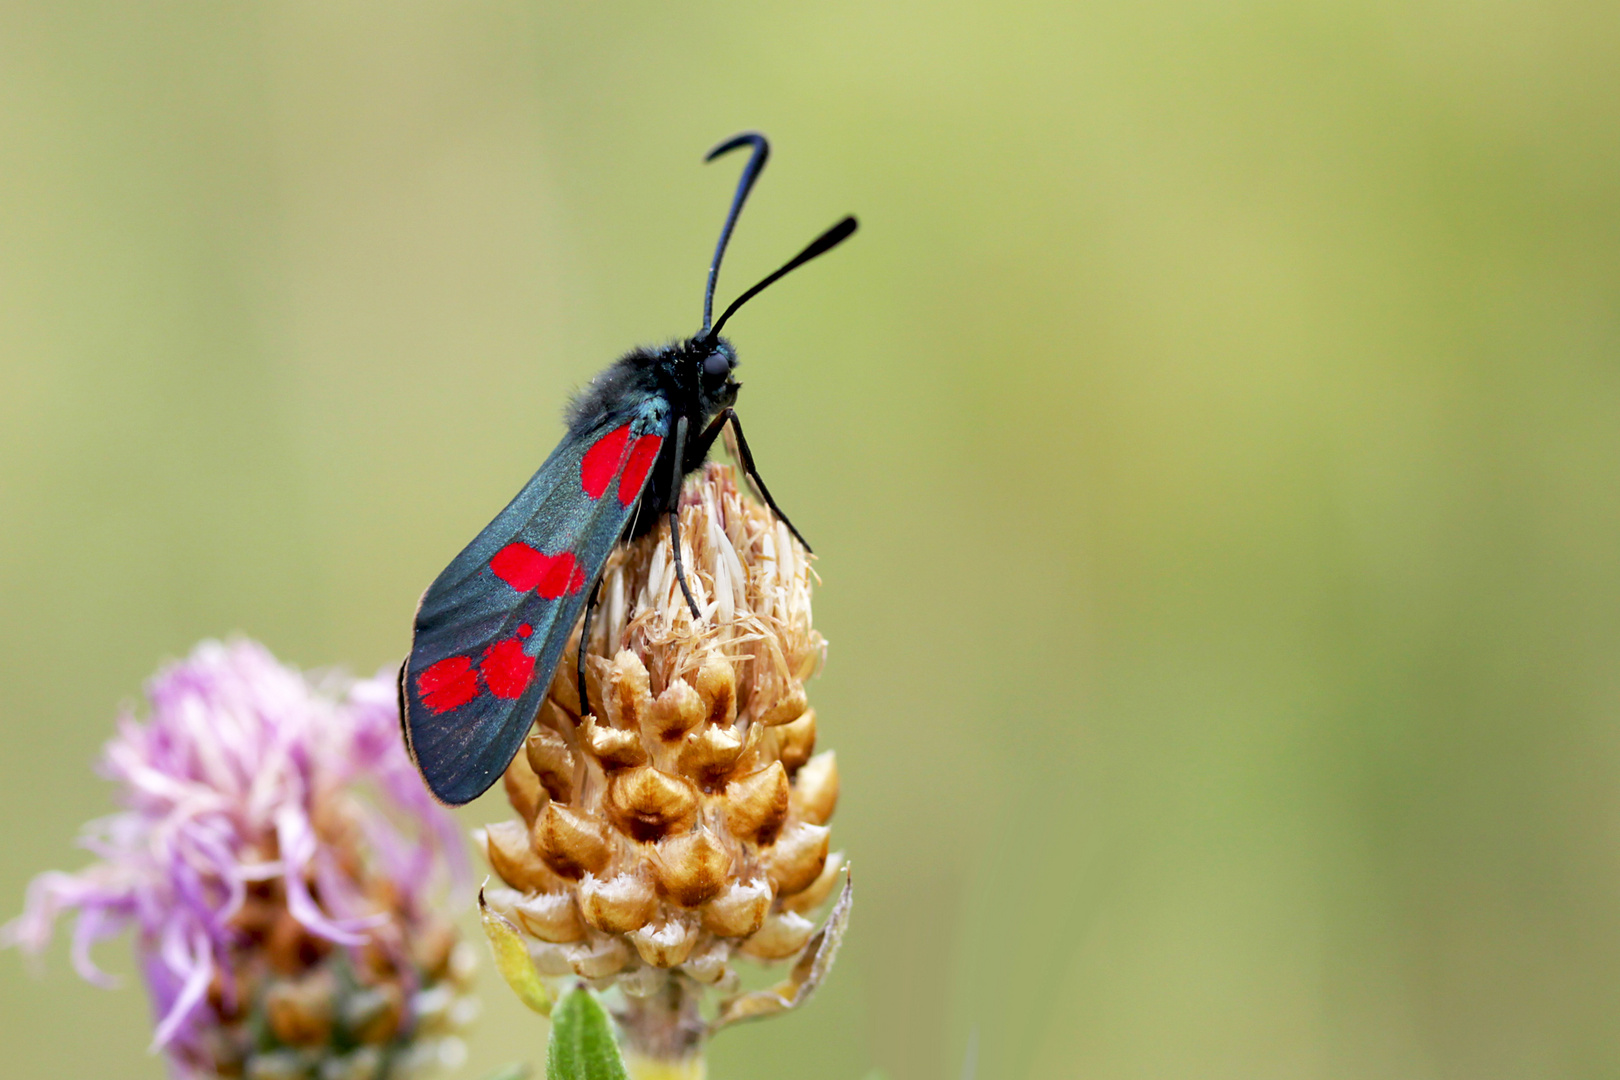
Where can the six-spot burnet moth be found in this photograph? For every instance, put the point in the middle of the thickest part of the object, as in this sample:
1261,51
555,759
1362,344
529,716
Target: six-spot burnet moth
492,627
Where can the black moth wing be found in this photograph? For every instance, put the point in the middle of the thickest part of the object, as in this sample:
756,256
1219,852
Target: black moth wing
492,627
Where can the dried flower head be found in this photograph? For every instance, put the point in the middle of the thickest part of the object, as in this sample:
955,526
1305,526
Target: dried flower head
283,922
680,820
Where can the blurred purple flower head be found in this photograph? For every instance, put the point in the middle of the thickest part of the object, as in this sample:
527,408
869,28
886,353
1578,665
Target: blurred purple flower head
270,820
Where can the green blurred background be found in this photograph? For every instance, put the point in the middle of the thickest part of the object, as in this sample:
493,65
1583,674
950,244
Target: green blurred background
1212,442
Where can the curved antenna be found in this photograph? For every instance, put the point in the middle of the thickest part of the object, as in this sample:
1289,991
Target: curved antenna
751,171
819,246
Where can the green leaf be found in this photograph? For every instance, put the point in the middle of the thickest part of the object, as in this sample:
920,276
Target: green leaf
512,958
582,1046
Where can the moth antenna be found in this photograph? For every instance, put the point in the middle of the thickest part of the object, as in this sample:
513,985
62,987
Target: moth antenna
819,246
745,184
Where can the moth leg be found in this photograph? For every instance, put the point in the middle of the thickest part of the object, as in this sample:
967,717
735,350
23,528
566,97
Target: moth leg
584,644
706,441
675,516
680,571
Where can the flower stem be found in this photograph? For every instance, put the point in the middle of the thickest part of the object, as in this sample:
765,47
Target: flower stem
646,1068
663,1032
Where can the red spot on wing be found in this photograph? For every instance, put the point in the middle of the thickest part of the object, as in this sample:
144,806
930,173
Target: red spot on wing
525,630
524,568
506,668
449,684
642,456
577,582
601,462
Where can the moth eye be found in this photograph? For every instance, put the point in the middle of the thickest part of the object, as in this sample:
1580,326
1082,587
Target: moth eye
716,365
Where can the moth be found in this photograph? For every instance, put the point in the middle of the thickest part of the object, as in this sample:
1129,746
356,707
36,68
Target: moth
492,627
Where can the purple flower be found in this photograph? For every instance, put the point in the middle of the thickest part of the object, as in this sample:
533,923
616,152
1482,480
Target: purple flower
247,857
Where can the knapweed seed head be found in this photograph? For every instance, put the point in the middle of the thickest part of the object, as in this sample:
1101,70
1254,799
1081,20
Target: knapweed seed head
678,820
278,860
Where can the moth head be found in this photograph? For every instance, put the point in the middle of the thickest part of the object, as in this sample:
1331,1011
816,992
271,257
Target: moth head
716,360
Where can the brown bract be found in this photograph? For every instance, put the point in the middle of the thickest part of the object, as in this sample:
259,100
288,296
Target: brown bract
680,819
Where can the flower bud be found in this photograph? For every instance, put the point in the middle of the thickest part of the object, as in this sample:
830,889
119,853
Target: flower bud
681,820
